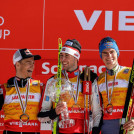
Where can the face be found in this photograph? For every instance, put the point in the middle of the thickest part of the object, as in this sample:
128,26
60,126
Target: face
69,62
109,57
25,67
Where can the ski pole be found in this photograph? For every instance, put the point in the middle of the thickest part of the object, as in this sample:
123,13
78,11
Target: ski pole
86,91
89,94
59,83
132,106
127,102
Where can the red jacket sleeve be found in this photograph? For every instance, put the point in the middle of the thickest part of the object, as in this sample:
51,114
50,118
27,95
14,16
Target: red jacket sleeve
2,95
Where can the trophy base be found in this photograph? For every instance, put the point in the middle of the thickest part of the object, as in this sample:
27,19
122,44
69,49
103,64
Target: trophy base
66,123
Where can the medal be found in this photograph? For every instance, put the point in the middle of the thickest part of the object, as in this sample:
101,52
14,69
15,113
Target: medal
75,108
109,108
24,118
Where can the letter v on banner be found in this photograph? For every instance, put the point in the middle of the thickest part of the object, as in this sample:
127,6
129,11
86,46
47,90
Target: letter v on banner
127,102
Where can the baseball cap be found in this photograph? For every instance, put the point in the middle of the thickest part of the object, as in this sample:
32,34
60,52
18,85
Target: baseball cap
21,54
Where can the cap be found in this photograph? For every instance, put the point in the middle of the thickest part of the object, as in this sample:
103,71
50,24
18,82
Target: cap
74,44
108,42
72,47
23,54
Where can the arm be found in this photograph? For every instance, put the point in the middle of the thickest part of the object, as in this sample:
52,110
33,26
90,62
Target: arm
1,101
47,112
96,109
129,125
53,113
1,97
45,105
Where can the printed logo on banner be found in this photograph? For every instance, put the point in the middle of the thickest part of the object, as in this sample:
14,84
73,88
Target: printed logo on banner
126,23
49,67
3,32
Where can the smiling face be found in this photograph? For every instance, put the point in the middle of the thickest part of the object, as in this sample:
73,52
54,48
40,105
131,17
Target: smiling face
69,62
25,67
109,57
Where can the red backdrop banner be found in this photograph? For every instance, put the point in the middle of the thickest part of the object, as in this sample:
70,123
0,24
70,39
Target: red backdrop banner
37,25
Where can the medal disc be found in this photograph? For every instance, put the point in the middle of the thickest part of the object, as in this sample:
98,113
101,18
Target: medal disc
109,108
24,118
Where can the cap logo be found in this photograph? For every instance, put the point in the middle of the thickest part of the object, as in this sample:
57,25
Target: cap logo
69,43
27,52
63,49
75,54
108,44
126,71
71,51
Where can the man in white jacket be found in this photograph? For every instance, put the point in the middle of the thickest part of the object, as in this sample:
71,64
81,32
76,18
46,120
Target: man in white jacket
69,58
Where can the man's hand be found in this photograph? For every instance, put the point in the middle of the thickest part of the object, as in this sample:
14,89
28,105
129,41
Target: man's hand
45,119
60,107
129,125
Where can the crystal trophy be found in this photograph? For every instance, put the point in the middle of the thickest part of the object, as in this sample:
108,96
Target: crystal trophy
66,93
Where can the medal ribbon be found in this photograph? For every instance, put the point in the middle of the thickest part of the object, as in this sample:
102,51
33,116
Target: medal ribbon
109,98
23,107
77,86
77,91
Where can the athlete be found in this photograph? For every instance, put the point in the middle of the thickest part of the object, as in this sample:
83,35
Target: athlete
113,85
69,57
20,96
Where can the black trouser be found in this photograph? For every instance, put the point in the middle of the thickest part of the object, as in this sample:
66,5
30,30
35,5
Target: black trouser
12,132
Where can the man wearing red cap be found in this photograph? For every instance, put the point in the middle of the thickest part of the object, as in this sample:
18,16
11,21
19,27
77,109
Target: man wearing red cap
20,96
113,85
69,57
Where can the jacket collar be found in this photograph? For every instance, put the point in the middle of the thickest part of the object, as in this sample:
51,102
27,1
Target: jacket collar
21,81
